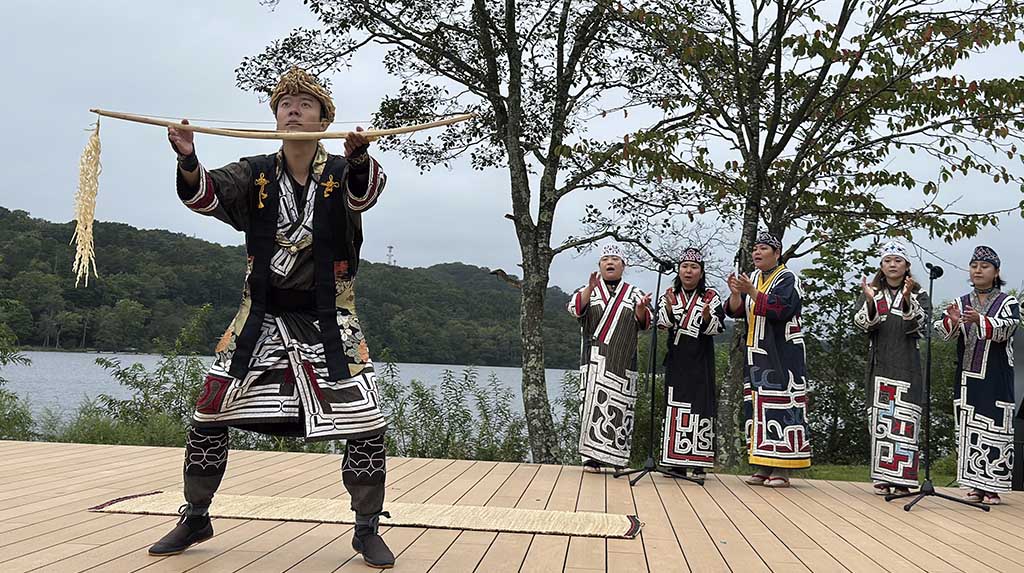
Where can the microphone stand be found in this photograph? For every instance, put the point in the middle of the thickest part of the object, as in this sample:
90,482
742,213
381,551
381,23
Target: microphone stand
927,488
650,466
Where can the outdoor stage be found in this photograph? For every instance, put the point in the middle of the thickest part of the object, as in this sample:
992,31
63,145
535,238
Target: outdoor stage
45,490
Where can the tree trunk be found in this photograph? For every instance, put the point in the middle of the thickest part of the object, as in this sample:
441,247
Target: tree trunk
732,441
543,442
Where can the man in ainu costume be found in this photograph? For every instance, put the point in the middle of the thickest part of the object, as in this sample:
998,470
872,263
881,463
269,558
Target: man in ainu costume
611,313
294,361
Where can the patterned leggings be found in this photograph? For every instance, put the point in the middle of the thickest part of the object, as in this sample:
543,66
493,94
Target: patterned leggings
206,458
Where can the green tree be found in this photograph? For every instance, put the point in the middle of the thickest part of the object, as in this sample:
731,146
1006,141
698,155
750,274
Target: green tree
836,357
534,72
798,110
15,416
122,325
17,317
69,324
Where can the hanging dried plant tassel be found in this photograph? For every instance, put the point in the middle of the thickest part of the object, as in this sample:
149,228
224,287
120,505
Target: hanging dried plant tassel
85,207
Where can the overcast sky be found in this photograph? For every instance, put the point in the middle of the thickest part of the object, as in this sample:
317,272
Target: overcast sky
178,58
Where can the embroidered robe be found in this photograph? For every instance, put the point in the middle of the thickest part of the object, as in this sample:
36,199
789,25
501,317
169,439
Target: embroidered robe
608,373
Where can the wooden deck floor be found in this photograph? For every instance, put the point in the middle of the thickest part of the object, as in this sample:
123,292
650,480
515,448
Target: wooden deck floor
724,526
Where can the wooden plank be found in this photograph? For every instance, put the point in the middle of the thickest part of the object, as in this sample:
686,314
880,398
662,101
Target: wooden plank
403,476
589,552
465,482
37,559
110,544
224,540
620,501
624,555
659,537
506,553
807,549
465,552
108,529
421,555
238,557
417,487
429,550
85,471
139,558
545,554
397,538
53,486
508,550
731,544
317,467
328,487
45,542
809,500
846,553
878,530
816,526
546,551
31,459
469,548
619,562
676,523
990,523
426,489
102,538
776,555
890,519
951,533
68,513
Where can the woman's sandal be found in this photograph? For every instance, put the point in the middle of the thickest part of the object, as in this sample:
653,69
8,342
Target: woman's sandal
757,479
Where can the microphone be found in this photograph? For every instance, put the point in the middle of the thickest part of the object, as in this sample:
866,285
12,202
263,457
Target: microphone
935,271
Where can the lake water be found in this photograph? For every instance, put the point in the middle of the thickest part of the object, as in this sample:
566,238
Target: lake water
61,380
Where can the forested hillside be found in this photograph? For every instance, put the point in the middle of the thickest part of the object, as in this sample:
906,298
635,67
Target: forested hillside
151,280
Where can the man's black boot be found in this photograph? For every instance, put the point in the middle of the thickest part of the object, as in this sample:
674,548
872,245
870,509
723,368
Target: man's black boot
193,527
367,541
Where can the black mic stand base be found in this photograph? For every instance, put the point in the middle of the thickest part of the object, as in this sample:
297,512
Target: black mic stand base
927,489
651,467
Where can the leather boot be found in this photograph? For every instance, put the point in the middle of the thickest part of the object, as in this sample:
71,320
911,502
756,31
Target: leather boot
193,527
368,542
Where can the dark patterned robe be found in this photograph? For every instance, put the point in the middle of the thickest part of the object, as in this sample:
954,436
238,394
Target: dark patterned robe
690,394
294,360
608,373
775,385
895,385
983,400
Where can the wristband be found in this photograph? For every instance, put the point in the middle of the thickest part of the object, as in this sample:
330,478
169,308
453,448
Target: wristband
359,158
188,163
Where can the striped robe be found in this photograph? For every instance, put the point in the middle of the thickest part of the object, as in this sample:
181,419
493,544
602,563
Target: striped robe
983,401
608,373
287,389
775,384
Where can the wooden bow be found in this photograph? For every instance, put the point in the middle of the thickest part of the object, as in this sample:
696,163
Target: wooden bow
284,135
